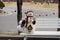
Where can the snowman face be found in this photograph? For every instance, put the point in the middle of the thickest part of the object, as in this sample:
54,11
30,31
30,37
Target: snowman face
30,14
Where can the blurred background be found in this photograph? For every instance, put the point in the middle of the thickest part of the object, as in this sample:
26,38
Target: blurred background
45,12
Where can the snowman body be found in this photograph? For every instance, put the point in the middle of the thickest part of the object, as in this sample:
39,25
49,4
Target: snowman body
27,25
24,29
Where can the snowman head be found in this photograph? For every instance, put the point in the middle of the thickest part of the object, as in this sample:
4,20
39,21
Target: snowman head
29,13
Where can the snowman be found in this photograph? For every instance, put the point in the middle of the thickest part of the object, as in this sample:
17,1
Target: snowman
27,25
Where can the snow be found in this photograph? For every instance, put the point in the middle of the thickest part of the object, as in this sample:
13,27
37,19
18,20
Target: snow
10,20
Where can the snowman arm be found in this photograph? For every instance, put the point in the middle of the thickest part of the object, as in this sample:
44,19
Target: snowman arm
23,22
34,22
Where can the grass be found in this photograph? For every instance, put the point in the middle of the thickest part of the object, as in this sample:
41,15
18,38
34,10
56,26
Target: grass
32,5
43,6
10,3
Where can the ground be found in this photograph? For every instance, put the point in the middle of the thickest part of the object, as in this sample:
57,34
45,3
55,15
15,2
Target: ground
8,33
